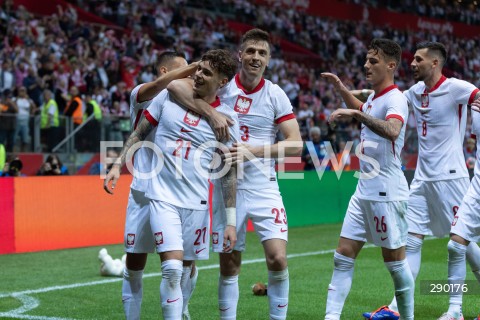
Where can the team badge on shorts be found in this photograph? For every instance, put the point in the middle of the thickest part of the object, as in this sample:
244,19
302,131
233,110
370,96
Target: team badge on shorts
130,239
158,238
191,118
425,100
215,237
242,105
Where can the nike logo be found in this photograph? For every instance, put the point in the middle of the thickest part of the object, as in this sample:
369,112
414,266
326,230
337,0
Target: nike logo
280,306
283,230
224,309
383,238
185,130
171,301
331,289
198,251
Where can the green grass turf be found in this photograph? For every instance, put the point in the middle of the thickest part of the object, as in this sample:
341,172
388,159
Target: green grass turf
309,278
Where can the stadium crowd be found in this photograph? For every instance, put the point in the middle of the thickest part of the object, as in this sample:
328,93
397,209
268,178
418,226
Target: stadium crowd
96,66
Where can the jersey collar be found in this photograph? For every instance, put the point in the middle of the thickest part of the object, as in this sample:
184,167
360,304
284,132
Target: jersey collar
438,84
256,89
215,103
384,91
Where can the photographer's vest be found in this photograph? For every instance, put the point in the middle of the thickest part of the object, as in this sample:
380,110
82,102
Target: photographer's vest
77,114
44,119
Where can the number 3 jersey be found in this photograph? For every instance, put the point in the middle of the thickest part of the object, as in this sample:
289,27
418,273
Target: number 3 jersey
441,115
380,153
187,144
260,111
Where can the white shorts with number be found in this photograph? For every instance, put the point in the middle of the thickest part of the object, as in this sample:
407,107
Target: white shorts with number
138,236
380,223
176,228
466,222
433,204
265,209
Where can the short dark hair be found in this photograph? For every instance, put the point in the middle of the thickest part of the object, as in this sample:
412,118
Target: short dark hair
256,35
390,49
167,56
436,47
221,61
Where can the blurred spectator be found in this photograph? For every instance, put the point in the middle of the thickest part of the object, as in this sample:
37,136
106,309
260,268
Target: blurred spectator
343,158
103,166
8,121
13,169
6,77
26,107
74,108
304,116
49,122
92,128
318,147
52,167
34,86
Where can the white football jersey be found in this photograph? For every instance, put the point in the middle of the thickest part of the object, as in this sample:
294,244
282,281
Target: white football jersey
474,189
390,183
143,157
259,113
441,115
183,180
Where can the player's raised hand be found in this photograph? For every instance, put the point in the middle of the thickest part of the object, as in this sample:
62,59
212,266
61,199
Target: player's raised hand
220,123
332,78
476,105
229,238
341,115
113,176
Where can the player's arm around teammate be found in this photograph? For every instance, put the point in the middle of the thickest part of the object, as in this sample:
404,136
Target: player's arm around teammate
181,91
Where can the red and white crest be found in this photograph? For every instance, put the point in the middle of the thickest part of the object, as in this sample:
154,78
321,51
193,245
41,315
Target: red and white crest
158,238
425,100
243,105
191,118
130,239
215,237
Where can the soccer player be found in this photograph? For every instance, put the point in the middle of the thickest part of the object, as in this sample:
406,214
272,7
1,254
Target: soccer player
141,220
263,109
441,177
376,212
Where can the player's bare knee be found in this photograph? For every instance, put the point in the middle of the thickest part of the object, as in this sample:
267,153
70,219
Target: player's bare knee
136,261
230,263
276,261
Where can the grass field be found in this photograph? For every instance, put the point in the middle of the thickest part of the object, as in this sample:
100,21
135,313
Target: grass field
66,284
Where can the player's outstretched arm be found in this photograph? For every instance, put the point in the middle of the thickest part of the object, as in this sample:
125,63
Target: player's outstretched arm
149,90
389,129
229,190
181,90
138,135
350,100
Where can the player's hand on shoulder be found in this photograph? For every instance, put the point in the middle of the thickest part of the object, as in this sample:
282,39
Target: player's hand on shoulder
476,105
229,238
220,124
112,176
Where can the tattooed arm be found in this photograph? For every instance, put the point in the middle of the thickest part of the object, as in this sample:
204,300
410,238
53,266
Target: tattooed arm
140,133
229,191
389,129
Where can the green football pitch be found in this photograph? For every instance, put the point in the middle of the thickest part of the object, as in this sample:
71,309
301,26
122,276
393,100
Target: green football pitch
66,284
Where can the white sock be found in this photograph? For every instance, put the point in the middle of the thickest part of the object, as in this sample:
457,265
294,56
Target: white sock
132,293
404,287
278,287
457,271
170,290
339,286
187,284
228,294
473,258
413,252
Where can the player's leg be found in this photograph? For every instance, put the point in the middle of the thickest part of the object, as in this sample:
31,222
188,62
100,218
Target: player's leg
228,291
196,238
166,226
278,278
352,239
138,242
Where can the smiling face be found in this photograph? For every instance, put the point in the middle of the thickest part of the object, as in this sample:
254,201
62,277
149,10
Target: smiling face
206,80
254,56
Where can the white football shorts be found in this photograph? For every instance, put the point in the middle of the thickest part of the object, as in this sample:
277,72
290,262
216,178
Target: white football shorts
138,236
433,204
176,228
265,209
466,222
380,223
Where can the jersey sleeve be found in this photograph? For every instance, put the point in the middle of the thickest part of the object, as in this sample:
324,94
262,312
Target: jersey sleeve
397,108
154,111
463,92
282,105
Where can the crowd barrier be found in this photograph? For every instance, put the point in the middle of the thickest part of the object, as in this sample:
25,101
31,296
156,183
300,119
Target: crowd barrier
49,213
